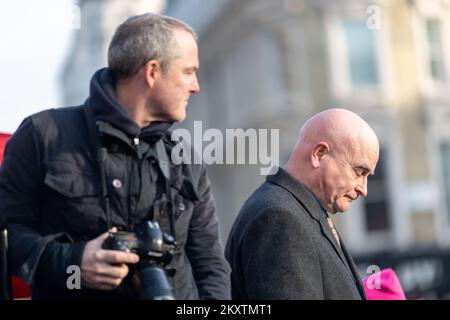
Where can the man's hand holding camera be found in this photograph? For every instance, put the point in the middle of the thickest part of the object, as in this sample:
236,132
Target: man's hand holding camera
104,269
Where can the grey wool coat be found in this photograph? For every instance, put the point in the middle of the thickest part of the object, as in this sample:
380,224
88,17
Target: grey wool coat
281,247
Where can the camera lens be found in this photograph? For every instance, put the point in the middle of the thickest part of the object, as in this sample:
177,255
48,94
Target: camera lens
154,284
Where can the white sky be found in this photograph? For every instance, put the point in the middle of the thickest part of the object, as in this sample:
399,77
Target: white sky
34,39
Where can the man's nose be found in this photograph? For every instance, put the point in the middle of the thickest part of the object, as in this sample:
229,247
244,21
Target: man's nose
195,86
361,188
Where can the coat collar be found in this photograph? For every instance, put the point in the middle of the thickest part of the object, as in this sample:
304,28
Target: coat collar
299,191
312,205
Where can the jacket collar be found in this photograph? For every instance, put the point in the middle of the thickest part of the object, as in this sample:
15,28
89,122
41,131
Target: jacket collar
309,201
299,191
105,108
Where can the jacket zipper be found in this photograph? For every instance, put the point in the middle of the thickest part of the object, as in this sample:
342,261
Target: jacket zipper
137,146
132,214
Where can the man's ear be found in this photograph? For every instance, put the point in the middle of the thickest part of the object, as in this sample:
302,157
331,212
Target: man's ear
319,151
152,70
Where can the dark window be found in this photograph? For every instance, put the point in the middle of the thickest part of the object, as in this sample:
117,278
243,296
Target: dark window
436,58
376,202
445,156
361,53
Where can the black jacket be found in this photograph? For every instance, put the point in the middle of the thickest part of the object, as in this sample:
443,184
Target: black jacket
281,247
50,192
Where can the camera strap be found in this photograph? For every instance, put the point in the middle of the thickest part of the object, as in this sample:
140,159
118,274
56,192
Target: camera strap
164,166
163,159
99,154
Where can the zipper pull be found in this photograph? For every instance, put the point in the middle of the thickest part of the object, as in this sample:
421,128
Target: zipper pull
137,144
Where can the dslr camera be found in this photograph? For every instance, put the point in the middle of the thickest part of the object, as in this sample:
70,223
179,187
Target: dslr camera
155,249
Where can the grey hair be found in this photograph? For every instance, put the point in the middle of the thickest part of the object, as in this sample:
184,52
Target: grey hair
142,38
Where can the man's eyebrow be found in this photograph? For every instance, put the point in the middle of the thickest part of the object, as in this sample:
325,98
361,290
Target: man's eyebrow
366,169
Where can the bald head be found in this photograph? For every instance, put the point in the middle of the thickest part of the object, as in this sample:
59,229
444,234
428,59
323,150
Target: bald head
338,127
329,143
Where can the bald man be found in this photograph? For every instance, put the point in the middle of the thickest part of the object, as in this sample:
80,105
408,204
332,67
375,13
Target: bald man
283,244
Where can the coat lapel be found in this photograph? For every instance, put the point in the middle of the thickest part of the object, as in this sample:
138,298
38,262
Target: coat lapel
359,283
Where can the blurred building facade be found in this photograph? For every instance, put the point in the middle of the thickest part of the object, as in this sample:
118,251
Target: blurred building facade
272,64
99,19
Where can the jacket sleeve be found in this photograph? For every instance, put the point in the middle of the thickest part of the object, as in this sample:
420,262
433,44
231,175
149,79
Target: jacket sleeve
279,259
204,248
32,254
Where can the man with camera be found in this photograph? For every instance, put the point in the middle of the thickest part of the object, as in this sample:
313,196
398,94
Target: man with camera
70,175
